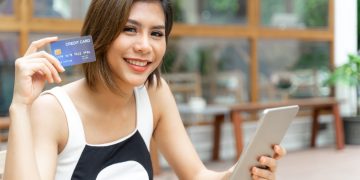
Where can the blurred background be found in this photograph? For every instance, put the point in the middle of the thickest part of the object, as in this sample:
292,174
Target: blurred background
228,52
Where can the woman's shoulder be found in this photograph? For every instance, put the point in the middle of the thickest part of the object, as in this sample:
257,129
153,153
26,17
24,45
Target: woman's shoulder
45,105
160,96
160,90
48,103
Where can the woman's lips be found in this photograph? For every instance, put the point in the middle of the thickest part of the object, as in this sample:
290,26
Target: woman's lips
137,65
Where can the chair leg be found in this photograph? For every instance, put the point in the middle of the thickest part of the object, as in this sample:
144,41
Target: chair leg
339,127
315,126
237,125
219,119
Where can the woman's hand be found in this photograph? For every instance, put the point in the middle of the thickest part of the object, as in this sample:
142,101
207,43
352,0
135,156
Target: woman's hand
32,70
270,163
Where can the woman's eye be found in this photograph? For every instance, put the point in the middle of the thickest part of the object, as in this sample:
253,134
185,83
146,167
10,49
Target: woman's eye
129,29
157,34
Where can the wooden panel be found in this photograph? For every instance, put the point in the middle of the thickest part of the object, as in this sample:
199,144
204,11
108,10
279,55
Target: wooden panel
254,70
211,30
24,32
9,24
307,34
55,25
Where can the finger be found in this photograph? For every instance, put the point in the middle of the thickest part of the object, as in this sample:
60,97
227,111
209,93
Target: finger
279,152
255,177
44,69
35,45
268,162
262,173
55,62
53,72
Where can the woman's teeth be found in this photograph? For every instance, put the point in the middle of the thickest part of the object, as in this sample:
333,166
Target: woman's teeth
137,63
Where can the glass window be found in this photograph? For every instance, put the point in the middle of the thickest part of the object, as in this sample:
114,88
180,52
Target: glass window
6,7
223,66
9,49
294,13
292,69
71,73
210,11
65,9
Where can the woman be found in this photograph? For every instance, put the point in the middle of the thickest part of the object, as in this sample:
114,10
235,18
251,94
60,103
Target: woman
100,127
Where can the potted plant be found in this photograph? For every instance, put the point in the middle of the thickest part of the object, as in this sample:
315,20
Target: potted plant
349,74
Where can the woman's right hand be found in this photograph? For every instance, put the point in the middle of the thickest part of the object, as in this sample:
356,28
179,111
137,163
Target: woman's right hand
32,70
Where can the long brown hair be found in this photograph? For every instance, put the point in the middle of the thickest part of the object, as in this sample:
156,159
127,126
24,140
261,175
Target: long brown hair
105,21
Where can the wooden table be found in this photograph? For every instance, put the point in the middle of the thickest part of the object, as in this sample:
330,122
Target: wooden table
218,113
315,104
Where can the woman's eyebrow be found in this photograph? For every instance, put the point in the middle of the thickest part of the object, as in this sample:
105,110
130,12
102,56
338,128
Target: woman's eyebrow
136,23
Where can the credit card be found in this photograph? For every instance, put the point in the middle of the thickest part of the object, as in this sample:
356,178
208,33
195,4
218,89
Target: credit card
74,50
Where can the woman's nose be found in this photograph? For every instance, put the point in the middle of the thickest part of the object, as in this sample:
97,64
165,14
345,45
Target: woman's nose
143,45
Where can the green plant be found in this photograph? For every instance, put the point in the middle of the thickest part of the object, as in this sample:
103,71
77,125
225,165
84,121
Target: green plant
348,74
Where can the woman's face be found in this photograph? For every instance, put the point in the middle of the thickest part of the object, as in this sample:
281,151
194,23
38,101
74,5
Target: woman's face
140,47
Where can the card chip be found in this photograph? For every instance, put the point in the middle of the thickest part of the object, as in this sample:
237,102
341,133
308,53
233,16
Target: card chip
57,52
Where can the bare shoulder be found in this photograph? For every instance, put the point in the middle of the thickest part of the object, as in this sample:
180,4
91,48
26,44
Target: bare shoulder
45,105
160,93
47,116
161,98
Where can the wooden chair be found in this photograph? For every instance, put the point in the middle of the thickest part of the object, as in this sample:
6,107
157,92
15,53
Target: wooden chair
228,87
184,85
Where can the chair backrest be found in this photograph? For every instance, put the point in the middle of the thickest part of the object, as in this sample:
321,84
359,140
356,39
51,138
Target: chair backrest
228,87
184,85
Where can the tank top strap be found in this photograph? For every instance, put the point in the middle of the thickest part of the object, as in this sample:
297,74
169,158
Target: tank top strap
76,134
144,114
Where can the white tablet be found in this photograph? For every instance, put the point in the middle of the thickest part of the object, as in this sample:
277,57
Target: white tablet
270,131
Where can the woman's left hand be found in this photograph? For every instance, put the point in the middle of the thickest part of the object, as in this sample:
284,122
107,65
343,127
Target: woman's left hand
269,162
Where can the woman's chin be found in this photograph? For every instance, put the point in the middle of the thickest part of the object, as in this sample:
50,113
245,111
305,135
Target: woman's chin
137,82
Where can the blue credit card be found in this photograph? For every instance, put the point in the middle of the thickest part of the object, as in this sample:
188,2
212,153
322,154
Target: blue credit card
74,51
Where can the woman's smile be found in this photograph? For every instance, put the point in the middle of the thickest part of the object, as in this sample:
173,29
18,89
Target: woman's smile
138,65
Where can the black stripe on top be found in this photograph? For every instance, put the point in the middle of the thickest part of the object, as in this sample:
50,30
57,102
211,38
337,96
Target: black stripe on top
96,158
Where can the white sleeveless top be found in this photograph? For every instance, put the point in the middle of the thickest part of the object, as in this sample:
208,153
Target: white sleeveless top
125,158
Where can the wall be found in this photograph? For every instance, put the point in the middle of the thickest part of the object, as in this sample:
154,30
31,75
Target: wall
345,43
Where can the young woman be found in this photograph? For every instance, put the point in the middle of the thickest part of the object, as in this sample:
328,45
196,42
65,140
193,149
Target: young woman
100,127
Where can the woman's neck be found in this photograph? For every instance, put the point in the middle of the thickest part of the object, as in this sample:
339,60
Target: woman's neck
105,97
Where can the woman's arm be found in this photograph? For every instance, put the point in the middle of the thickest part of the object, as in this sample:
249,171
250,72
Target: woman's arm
29,119
174,143
170,134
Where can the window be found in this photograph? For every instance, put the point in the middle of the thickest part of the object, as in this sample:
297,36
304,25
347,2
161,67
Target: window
251,42
8,53
279,35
